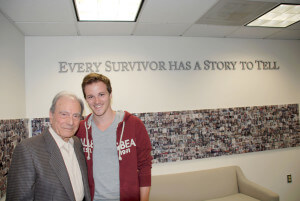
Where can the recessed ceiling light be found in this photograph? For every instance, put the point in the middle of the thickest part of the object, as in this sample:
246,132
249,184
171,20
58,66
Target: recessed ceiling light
282,15
107,10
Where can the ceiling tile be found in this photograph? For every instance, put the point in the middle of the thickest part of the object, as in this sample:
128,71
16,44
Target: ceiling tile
286,34
47,29
106,28
148,29
172,11
295,26
253,32
38,10
203,30
234,12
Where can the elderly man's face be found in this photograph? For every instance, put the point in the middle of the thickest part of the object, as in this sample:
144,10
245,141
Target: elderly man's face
66,117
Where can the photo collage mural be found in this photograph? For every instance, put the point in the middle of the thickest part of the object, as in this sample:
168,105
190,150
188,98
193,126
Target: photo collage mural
11,133
195,134
188,135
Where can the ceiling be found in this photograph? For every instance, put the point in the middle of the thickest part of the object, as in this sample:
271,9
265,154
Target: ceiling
185,18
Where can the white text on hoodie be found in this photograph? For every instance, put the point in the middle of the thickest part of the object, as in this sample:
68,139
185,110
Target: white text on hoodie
125,145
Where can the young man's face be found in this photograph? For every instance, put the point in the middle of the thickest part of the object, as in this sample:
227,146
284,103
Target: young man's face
98,98
66,117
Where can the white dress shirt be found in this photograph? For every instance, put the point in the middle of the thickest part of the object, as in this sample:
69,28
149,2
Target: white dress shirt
71,162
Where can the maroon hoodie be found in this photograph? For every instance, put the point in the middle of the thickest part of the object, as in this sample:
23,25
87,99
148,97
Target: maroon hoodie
135,158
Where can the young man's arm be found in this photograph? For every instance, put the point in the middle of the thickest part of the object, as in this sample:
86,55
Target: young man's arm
144,193
144,161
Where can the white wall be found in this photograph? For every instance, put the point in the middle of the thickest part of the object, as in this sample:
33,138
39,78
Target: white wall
149,91
153,91
12,70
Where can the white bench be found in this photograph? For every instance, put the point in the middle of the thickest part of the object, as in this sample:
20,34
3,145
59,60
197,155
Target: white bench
218,184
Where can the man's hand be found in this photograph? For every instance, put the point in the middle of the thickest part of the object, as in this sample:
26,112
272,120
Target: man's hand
144,193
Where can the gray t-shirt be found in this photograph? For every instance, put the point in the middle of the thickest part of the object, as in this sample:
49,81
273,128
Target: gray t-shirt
106,161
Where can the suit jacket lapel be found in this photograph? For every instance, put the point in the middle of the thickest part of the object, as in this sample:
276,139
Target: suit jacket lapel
57,163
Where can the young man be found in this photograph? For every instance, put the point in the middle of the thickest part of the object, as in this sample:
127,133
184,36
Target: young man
51,166
116,145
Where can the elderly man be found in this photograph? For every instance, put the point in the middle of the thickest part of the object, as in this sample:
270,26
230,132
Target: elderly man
51,166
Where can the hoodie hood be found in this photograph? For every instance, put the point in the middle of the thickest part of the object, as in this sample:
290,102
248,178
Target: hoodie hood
89,143
88,119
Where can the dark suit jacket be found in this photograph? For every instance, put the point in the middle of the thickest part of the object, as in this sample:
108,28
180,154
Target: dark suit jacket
38,171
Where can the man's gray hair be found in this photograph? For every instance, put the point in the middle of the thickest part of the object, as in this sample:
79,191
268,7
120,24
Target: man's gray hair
65,94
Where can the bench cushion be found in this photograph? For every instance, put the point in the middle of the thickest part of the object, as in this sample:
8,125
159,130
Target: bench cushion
235,197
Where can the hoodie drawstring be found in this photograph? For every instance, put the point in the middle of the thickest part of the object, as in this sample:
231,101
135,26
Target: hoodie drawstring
87,127
120,158
87,140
